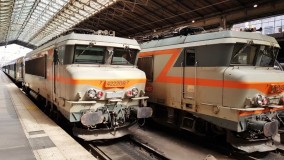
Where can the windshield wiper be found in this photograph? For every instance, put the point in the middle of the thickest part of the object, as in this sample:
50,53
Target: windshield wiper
243,48
91,44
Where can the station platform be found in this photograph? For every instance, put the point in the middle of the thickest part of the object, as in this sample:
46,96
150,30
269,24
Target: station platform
28,134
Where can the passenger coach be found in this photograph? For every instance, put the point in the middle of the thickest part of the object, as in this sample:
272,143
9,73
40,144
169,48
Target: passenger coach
14,69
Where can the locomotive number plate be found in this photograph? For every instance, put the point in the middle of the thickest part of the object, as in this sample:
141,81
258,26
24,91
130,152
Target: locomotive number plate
115,83
114,94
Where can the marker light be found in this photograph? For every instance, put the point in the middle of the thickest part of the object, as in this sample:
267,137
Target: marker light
132,93
135,91
100,94
261,100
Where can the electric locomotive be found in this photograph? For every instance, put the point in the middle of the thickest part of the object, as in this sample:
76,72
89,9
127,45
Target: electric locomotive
219,83
90,79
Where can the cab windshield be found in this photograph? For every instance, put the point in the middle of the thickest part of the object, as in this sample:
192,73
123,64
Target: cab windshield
104,55
124,56
254,55
89,54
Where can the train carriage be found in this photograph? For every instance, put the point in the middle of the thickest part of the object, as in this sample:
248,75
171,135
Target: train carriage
15,70
92,80
217,83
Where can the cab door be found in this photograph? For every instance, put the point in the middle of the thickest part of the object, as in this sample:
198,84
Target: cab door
55,73
189,79
58,74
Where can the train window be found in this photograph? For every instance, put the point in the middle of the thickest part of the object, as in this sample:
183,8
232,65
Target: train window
254,55
190,57
146,65
124,56
36,66
67,58
266,56
244,54
60,54
89,54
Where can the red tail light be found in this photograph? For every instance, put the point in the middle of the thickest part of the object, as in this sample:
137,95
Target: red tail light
100,94
129,93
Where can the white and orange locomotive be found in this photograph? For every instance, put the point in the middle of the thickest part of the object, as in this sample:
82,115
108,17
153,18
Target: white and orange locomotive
92,80
217,83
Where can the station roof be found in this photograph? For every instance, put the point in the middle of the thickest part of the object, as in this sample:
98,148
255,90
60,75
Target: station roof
33,22
36,21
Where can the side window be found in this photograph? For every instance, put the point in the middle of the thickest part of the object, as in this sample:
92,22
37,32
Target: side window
36,66
190,57
55,56
61,51
146,65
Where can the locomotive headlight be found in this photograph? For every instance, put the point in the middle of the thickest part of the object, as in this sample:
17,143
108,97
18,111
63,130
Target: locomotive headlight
132,93
135,91
92,94
261,100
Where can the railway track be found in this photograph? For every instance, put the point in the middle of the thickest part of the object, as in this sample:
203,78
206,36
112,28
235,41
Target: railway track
124,148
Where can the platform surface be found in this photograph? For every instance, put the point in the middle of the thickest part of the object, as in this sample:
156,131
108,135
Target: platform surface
28,134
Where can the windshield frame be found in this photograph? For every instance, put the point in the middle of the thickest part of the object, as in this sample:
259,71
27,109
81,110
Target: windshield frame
128,58
85,51
258,51
109,53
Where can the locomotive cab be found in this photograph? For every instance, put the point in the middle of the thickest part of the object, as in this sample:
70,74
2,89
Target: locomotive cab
255,91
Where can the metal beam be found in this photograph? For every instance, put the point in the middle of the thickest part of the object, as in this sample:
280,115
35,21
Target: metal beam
21,43
236,15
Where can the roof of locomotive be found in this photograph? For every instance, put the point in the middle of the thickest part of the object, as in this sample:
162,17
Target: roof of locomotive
88,37
206,37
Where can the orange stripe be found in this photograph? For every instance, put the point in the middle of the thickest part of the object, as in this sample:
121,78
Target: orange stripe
247,113
264,87
99,83
162,77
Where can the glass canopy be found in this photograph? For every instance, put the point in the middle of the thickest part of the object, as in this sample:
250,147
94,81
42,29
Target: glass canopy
37,21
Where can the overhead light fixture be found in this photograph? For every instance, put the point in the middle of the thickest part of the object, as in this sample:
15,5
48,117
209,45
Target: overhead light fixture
193,21
255,5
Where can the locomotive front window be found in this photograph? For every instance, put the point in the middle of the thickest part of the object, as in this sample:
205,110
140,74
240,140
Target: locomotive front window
254,55
244,54
124,56
266,56
89,54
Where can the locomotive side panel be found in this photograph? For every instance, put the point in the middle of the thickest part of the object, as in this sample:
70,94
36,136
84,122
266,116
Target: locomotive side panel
49,74
161,92
35,73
